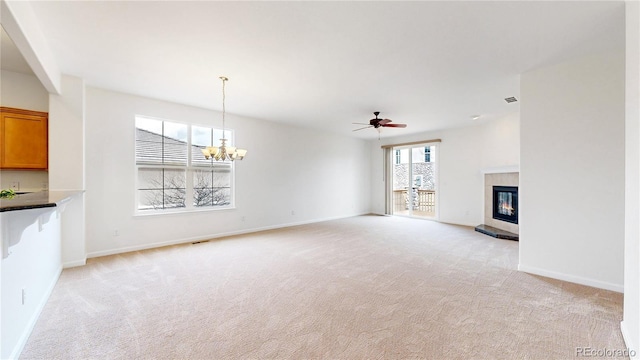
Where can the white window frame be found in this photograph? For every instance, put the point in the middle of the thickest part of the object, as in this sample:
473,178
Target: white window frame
189,168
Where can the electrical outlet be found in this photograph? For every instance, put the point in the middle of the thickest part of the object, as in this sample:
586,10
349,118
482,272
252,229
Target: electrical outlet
116,232
24,296
15,185
293,212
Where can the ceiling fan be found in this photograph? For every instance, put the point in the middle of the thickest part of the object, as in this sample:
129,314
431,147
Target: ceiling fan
378,123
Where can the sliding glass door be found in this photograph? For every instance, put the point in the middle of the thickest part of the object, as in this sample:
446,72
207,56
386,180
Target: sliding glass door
413,182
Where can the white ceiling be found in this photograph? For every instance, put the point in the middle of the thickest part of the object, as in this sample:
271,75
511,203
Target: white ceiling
327,64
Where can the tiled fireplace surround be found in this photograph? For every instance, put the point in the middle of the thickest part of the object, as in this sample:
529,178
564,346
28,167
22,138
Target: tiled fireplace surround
498,179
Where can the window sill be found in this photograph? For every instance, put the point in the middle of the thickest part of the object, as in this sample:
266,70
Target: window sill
178,212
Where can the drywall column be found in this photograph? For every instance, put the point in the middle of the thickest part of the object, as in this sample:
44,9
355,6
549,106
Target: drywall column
67,163
631,319
572,171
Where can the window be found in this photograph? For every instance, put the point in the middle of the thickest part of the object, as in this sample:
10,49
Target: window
172,173
398,157
427,154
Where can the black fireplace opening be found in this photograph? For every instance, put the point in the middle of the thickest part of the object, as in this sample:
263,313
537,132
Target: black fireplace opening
505,203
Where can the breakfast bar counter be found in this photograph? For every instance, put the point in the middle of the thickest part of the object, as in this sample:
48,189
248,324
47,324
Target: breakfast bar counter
36,200
38,231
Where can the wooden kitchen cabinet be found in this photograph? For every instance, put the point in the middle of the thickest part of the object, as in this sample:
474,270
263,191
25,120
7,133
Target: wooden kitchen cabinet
23,139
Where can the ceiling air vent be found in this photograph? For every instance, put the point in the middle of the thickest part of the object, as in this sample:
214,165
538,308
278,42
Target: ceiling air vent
510,99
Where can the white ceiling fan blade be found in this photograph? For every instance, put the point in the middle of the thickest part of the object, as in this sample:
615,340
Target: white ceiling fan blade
366,127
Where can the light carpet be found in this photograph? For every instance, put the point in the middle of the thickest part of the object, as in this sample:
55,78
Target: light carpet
363,287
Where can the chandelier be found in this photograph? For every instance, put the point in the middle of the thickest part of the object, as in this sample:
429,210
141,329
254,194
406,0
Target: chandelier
223,152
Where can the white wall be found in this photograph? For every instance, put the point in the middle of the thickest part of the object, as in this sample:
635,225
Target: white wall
317,175
27,180
572,171
34,265
23,91
462,155
631,323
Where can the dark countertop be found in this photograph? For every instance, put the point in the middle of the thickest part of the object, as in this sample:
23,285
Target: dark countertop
36,200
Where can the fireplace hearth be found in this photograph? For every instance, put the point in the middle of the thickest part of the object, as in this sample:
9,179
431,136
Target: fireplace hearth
505,203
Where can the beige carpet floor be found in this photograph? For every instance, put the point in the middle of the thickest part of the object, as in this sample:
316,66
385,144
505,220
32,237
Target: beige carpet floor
364,287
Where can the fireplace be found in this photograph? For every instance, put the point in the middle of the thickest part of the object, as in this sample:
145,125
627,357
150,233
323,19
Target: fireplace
505,203
501,211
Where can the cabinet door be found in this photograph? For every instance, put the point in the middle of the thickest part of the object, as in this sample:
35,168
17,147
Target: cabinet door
23,138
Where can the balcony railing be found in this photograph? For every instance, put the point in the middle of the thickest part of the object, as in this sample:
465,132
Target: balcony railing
422,202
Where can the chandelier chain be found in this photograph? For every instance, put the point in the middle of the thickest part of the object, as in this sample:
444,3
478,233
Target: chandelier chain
224,80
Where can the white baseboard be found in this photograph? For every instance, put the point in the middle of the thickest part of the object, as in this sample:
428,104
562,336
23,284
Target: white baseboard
74,263
572,278
210,237
22,341
629,342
